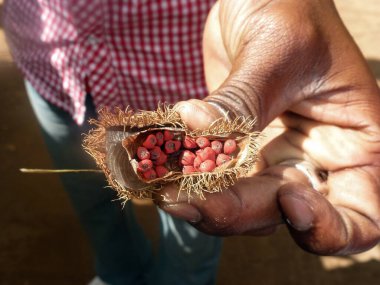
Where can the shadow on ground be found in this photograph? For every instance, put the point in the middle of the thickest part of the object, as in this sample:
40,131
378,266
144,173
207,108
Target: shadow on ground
276,260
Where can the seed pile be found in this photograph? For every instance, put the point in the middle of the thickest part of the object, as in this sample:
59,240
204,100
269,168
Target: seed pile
190,154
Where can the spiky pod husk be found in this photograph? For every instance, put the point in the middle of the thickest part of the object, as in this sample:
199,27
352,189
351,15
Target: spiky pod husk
112,143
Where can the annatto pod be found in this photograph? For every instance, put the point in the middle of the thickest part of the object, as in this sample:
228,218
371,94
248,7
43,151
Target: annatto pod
117,136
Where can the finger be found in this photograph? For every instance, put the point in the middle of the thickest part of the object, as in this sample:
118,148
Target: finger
313,222
234,211
319,227
249,207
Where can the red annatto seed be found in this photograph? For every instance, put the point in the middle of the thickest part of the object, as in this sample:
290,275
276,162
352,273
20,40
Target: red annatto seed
187,169
169,147
222,158
177,145
229,146
160,138
143,153
144,165
202,142
161,171
198,153
207,154
207,166
150,141
168,135
155,153
217,146
150,174
162,159
189,143
197,162
187,158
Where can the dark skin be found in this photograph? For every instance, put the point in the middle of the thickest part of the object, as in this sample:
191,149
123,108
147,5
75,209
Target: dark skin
292,65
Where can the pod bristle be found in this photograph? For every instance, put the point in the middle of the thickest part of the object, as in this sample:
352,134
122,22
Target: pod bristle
193,184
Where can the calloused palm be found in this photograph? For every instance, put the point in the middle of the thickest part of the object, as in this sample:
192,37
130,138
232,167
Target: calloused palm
293,65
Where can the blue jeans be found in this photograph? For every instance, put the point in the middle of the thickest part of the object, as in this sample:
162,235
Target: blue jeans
123,254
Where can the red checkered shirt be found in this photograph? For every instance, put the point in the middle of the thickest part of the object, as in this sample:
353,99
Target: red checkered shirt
122,52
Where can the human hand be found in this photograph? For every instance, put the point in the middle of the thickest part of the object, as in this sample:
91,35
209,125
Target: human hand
292,65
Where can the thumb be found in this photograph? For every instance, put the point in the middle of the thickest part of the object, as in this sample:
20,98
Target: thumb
248,95
259,62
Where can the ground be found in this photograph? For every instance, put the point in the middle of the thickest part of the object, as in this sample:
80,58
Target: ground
41,242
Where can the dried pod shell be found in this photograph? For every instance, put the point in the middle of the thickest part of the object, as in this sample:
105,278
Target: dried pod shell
114,141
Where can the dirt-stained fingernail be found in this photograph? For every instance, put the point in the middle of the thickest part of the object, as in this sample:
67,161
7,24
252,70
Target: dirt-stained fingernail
298,214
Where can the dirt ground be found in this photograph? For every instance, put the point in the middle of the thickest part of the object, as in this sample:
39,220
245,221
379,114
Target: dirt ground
41,242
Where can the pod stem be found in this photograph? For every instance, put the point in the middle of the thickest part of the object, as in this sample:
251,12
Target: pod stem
48,171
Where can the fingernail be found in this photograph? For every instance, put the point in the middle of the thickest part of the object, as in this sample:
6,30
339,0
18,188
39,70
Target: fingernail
186,110
196,114
180,106
298,214
183,211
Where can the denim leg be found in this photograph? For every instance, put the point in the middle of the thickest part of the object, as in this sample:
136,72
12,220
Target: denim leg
122,252
186,256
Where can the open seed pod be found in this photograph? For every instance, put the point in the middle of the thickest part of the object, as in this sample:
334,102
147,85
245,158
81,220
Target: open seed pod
141,151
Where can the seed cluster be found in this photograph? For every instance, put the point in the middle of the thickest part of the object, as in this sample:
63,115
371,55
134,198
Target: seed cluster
194,154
